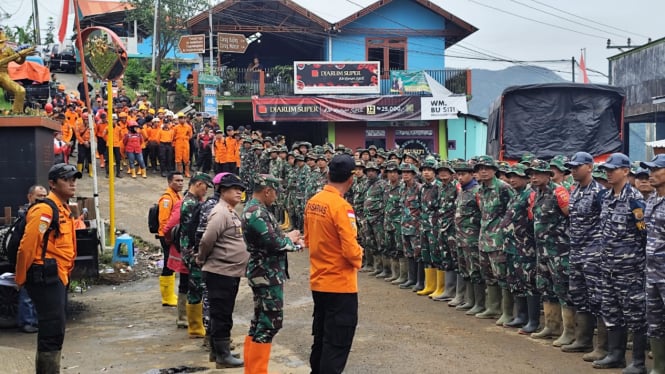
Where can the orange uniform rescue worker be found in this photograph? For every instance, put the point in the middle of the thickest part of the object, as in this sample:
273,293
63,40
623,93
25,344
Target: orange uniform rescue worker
182,132
44,270
335,257
166,203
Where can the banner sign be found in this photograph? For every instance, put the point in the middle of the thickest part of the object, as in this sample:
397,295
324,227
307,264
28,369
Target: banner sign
210,101
434,108
419,146
323,109
402,81
343,77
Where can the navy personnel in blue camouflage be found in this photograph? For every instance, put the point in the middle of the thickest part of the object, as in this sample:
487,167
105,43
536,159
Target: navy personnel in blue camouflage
655,259
267,270
623,296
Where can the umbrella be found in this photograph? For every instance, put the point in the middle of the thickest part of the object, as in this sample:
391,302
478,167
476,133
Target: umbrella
29,70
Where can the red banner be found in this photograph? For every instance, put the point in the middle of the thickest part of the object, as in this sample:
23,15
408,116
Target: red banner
324,109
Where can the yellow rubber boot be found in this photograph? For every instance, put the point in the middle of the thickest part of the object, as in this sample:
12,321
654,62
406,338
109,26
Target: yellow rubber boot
90,170
440,284
167,288
133,171
195,321
430,282
79,167
143,173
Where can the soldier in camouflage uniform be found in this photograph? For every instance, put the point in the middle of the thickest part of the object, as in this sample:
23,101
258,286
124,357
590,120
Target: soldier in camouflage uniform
549,210
429,226
372,212
290,188
561,173
264,160
411,210
198,187
445,255
622,288
313,177
321,173
302,172
357,200
392,222
655,269
267,270
584,231
520,248
494,196
246,161
276,164
467,230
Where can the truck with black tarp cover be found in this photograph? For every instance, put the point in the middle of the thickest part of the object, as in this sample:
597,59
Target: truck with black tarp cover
556,119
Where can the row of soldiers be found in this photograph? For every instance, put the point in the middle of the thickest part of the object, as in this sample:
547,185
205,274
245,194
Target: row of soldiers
501,242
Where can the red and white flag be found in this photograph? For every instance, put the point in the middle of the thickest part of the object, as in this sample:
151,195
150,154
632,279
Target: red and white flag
585,77
67,11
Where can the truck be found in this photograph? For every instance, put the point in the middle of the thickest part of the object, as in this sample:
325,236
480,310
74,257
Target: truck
556,119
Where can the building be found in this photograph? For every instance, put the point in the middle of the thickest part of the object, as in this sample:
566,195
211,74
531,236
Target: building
381,106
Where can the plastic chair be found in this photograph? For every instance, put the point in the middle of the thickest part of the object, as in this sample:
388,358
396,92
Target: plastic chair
123,251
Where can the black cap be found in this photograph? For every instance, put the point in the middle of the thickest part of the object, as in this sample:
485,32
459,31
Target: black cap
231,180
60,171
580,158
341,167
229,127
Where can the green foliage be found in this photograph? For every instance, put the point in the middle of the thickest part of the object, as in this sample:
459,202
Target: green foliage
50,38
139,78
21,35
172,18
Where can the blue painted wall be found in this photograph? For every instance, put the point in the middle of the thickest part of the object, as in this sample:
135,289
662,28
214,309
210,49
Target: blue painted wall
476,138
423,52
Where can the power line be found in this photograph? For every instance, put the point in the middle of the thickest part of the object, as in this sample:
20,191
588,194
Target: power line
565,19
537,21
587,19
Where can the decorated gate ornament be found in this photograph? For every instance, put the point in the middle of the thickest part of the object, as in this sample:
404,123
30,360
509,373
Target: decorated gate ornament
104,53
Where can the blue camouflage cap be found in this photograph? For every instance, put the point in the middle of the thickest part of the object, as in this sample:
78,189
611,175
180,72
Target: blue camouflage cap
657,162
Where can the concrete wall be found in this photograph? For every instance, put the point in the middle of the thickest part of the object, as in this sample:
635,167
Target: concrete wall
476,138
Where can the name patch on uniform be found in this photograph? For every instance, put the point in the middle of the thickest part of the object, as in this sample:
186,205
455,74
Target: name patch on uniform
166,203
42,227
45,218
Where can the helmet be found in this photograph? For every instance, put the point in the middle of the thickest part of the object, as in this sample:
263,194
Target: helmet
48,108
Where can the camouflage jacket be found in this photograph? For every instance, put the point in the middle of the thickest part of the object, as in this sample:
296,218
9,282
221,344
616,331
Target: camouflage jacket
494,200
584,217
411,208
373,202
429,204
276,168
359,188
550,225
302,175
623,230
447,204
467,215
267,246
654,216
392,206
264,163
517,227
189,204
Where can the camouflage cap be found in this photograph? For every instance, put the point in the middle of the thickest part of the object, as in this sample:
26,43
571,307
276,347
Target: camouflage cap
306,144
372,147
559,162
257,147
504,166
539,166
599,173
340,148
517,169
267,180
359,164
641,172
362,150
311,156
486,161
445,165
321,156
462,165
381,154
202,177
391,165
327,149
348,151
634,166
429,162
318,148
268,139
300,157
372,165
273,149
283,148
295,145
405,167
527,158
412,155
247,139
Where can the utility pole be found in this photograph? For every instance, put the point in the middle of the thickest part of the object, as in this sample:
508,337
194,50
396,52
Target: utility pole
158,60
35,22
211,38
572,60
155,44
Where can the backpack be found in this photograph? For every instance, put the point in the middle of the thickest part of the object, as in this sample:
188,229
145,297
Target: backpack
153,217
12,239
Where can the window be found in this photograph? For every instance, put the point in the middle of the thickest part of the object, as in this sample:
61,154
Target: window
391,52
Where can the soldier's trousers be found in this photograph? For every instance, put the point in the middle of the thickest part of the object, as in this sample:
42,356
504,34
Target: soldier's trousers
268,313
623,300
656,309
525,268
195,289
585,273
472,257
444,256
374,236
428,246
393,246
411,246
493,267
552,277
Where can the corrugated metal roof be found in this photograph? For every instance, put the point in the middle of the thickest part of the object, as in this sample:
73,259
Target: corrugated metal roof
656,144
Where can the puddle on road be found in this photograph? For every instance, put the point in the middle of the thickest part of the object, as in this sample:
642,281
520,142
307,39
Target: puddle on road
177,370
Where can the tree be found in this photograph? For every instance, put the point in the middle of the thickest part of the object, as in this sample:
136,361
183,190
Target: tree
50,25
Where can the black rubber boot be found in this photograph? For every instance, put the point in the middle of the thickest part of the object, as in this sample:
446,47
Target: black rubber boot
521,319
616,352
47,362
533,313
411,280
639,354
224,358
420,277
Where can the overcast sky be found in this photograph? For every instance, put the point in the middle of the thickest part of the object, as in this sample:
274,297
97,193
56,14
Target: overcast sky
499,35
